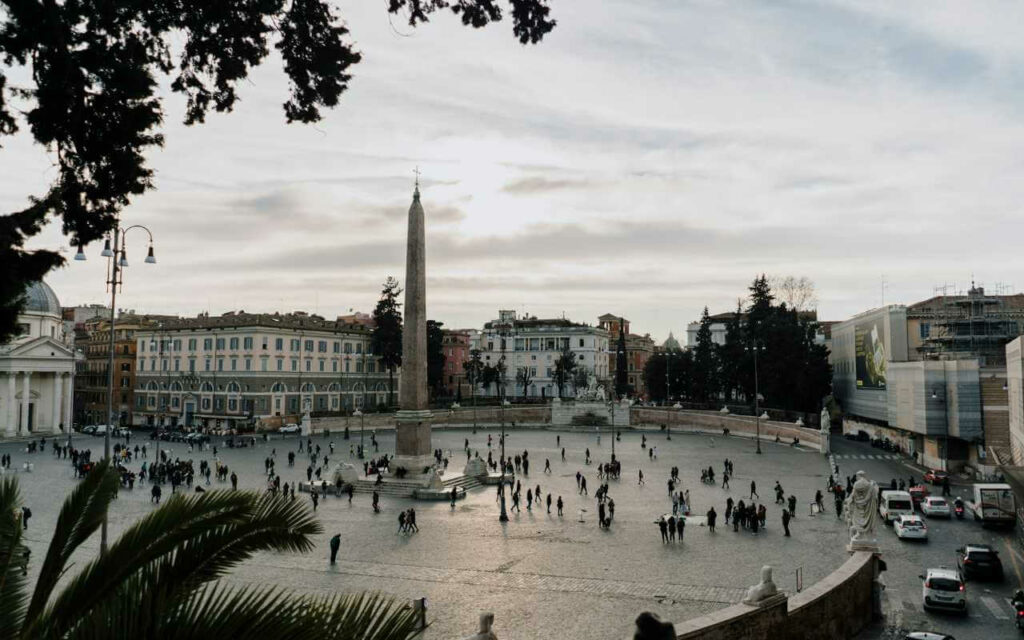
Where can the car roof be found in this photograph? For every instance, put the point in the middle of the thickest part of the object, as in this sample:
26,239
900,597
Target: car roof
935,499
910,517
979,547
952,574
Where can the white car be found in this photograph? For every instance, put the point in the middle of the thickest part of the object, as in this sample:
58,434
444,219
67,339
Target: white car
935,507
910,527
944,589
291,428
100,430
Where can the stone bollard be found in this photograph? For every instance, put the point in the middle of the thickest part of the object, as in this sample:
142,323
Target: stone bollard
485,632
650,627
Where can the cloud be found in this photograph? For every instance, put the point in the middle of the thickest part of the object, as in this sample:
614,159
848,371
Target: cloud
538,184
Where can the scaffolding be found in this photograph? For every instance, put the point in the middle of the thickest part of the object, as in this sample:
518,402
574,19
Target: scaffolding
972,324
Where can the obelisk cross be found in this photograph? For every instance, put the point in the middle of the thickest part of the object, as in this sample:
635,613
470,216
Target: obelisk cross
417,172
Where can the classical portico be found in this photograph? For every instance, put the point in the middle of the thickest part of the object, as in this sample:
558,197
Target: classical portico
37,395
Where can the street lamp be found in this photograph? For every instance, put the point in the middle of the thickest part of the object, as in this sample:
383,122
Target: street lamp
362,423
118,261
757,397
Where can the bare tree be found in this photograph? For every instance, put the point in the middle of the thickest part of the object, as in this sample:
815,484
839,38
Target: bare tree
797,293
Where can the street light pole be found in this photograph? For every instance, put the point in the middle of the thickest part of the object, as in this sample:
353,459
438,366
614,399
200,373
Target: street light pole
118,261
757,394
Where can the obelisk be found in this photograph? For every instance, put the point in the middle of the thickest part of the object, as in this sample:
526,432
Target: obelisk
413,449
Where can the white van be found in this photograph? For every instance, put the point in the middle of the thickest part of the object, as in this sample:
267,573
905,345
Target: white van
895,504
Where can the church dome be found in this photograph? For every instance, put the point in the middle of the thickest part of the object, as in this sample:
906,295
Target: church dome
39,297
671,344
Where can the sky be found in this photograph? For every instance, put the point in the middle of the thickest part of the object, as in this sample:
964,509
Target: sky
648,158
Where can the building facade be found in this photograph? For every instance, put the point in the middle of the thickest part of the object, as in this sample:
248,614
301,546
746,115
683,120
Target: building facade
933,376
639,350
227,371
92,388
37,370
536,344
456,345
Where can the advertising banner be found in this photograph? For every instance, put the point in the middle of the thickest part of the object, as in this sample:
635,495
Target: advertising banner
872,354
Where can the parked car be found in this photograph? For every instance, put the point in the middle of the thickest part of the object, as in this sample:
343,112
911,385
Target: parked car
910,528
935,476
290,428
935,507
944,589
89,429
99,430
979,562
863,436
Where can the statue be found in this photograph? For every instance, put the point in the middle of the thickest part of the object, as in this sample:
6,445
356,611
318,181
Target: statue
763,590
600,393
434,482
861,508
826,429
485,632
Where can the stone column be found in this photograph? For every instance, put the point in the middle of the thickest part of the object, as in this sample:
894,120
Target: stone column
12,404
57,393
26,400
69,399
413,449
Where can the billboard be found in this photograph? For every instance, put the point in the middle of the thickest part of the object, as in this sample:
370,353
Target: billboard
872,353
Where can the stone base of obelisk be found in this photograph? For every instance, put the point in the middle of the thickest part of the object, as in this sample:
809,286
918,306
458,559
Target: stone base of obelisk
412,443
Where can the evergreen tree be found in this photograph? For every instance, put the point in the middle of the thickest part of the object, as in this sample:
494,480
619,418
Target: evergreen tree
564,368
732,355
474,368
386,339
654,377
621,379
705,373
488,376
435,357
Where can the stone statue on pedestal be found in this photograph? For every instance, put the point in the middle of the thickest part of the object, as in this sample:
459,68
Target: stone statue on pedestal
861,508
763,590
826,429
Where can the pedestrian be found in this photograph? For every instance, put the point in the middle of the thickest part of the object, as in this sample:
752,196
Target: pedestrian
728,509
945,487
234,481
563,454
411,521
529,499
725,480
547,466
26,513
335,544
753,490
671,528
316,499
401,522
786,517
155,494
712,516
350,489
663,525
376,501
583,485
680,526
559,504
455,495
549,503
641,472
792,506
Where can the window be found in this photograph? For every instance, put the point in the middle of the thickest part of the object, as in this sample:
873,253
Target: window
309,365
581,342
142,365
206,404
248,364
266,341
321,365
191,365
348,347
177,364
126,366
359,366
191,344
279,343
207,344
125,382
23,329
234,343
322,346
926,329
220,364
220,343
177,345
334,366
234,364
263,364
337,347
295,364
247,343
346,366
370,367
295,344
359,347
280,364
309,345
232,404
175,402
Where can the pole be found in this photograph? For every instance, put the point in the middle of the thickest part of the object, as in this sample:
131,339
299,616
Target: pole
757,409
110,368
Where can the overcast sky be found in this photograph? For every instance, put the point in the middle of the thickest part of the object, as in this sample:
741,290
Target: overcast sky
647,159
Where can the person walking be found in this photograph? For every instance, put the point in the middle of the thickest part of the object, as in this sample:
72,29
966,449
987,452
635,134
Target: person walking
786,517
728,509
376,501
753,490
335,545
455,494
529,499
234,481
411,521
547,466
563,454
725,479
663,525
549,503
559,506
712,516
680,526
316,499
641,473
401,522
26,513
792,506
945,487
583,485
350,489
779,493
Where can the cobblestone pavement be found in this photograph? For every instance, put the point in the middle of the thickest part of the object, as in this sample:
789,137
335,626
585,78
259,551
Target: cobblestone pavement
538,572
989,612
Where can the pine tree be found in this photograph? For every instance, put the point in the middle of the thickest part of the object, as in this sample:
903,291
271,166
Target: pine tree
387,332
705,374
435,357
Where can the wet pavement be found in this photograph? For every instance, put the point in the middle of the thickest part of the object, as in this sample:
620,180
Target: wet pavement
539,573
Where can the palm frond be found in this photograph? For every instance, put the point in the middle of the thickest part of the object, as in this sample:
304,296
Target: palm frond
185,542
12,582
79,518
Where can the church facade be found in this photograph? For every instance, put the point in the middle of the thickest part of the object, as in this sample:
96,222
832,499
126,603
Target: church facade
37,370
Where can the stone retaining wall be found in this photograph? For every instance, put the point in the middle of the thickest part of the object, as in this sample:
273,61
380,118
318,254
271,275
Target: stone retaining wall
837,607
714,422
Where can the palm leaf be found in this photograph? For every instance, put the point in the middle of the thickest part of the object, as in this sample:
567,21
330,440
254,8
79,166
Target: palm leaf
81,515
12,582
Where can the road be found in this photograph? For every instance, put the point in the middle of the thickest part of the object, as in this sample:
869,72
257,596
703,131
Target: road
989,612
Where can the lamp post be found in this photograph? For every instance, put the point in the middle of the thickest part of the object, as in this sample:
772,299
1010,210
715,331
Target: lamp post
362,423
757,397
117,262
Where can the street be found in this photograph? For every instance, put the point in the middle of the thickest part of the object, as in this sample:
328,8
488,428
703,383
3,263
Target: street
989,612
